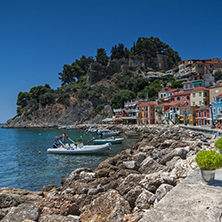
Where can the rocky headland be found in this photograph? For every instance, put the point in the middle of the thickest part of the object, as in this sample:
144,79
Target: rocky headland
127,187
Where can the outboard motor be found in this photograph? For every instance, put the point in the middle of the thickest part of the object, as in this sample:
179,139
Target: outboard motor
56,142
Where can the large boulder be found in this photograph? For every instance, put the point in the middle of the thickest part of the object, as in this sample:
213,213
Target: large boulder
152,181
181,152
59,218
149,165
130,182
7,201
23,211
108,207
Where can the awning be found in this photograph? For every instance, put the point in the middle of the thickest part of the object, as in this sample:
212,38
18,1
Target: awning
195,83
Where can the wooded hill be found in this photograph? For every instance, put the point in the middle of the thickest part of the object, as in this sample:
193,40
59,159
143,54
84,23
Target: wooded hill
104,81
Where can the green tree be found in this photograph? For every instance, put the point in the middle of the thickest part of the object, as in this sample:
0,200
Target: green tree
218,75
36,91
152,46
84,63
66,76
118,51
119,98
101,57
46,98
151,90
23,98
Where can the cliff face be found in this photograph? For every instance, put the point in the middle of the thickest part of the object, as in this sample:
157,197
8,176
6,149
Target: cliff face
57,114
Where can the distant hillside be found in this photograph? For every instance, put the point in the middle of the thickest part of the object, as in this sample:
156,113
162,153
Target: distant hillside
91,88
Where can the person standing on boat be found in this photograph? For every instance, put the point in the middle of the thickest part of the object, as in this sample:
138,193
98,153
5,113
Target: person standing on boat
64,138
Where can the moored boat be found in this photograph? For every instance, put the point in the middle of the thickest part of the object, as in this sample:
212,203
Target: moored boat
111,140
111,133
79,149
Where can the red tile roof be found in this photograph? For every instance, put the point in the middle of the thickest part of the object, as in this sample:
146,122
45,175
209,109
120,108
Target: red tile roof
147,103
220,85
172,90
180,94
219,95
199,89
206,107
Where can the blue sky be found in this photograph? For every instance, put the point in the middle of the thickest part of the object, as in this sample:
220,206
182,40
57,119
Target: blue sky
37,37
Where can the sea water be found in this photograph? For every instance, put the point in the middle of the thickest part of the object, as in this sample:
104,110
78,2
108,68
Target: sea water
25,164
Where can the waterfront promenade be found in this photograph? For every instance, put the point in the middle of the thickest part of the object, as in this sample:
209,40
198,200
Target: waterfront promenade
190,201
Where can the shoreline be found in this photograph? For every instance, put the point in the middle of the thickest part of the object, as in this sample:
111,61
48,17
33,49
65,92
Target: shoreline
138,178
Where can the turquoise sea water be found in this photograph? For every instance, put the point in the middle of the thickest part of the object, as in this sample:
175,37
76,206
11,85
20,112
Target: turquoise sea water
21,165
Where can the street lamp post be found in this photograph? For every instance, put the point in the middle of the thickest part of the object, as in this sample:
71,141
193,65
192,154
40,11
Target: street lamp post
210,105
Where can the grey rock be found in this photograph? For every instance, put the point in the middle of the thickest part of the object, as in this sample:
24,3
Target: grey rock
132,195
130,165
152,181
139,157
109,206
149,165
171,164
7,201
60,218
142,201
181,152
162,190
22,212
130,182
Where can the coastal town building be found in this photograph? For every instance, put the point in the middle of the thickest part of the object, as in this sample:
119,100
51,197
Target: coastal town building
188,115
160,111
215,90
190,67
182,98
203,115
146,113
216,110
204,80
127,114
199,96
162,94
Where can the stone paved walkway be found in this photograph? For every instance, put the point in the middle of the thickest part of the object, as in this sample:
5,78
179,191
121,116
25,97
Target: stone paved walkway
190,201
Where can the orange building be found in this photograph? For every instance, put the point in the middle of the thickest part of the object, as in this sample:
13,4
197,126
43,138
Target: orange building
146,113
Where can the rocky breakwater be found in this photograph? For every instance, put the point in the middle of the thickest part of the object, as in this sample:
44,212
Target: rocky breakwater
120,188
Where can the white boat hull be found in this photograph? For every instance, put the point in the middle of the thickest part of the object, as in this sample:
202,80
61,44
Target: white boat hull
108,140
85,149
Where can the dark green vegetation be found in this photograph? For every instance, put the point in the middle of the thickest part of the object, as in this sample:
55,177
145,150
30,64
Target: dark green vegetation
114,85
218,75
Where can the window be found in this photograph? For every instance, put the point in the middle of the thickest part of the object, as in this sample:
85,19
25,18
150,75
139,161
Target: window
199,122
193,103
199,114
200,102
216,91
172,99
205,114
188,97
219,108
214,110
193,94
183,112
214,98
205,122
178,98
200,93
188,112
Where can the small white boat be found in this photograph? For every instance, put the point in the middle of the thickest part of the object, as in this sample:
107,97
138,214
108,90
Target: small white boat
79,149
101,131
108,140
111,133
